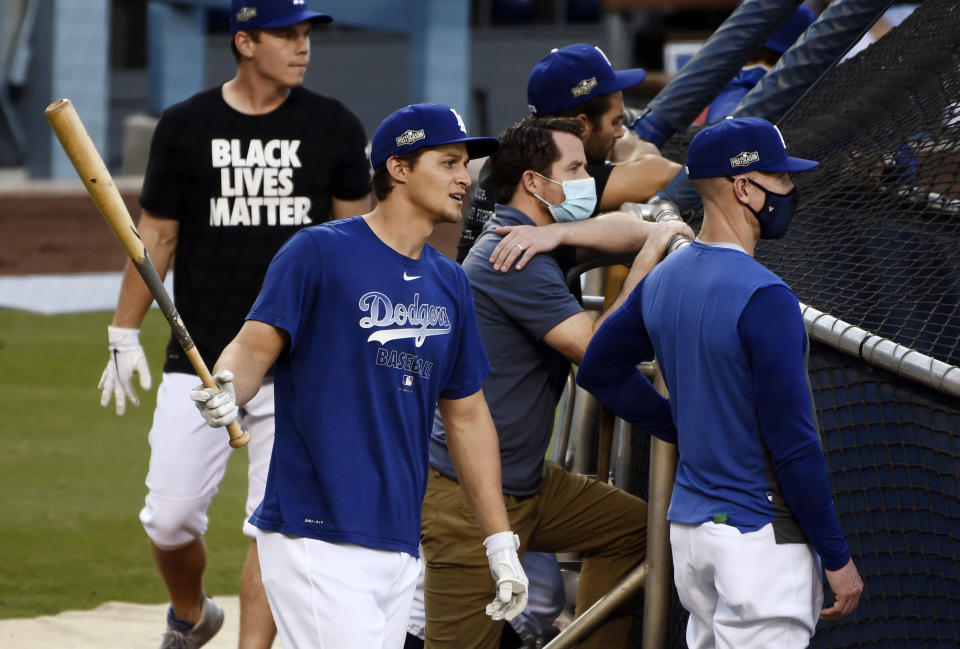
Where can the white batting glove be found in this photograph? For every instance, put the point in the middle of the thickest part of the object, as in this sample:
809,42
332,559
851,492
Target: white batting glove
512,583
219,408
126,359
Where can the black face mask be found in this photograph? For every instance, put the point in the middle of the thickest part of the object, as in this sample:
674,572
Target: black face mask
777,211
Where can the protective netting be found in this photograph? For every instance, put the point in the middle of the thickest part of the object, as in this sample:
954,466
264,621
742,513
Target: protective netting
893,451
877,243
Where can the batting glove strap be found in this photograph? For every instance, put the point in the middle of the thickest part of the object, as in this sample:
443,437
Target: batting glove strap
126,359
511,581
218,406
123,337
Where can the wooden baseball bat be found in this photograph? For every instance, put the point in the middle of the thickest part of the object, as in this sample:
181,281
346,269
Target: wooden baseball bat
96,179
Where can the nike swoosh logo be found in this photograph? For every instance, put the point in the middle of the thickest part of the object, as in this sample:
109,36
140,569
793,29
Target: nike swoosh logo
409,277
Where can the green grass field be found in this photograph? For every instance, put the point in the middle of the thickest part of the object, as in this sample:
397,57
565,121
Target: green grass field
72,474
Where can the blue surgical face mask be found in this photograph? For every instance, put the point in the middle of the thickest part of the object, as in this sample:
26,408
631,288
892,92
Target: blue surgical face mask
777,211
579,199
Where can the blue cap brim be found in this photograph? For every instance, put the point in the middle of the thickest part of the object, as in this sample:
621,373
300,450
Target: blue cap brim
792,164
298,17
626,79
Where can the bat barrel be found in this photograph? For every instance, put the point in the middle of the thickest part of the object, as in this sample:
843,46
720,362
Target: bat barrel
98,182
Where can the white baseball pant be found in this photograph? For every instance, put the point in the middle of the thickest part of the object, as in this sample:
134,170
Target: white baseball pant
188,459
336,595
743,590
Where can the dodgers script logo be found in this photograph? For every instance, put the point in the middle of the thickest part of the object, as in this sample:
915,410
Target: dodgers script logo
397,321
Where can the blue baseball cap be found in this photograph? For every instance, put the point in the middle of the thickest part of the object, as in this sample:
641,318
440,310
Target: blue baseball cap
791,30
737,145
270,14
423,125
573,75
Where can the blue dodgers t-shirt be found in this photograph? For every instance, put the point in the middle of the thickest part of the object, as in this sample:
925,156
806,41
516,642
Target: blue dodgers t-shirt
375,339
515,310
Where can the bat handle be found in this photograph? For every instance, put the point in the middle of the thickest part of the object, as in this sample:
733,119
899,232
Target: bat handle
238,436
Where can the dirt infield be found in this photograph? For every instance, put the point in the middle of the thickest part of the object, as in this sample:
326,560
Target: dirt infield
55,228
114,624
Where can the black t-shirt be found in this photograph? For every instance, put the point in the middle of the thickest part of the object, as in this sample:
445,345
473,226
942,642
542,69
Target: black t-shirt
483,198
240,185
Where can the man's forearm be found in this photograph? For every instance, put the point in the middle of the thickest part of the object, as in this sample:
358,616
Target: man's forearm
643,263
611,233
475,452
159,240
249,356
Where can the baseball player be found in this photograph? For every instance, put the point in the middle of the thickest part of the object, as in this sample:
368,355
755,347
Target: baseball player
233,172
533,328
751,516
371,331
578,81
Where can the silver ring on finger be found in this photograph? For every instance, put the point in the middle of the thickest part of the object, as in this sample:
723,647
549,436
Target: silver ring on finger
520,246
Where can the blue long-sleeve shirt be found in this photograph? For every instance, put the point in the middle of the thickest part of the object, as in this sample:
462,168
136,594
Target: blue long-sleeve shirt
729,337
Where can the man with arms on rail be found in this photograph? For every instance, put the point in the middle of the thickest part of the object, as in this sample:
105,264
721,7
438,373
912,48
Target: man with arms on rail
233,172
578,81
371,331
752,515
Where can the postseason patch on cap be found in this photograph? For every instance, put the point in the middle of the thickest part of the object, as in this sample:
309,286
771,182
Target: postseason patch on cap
246,13
410,136
744,158
584,87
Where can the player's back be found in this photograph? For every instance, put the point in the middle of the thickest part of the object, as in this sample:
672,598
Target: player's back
692,304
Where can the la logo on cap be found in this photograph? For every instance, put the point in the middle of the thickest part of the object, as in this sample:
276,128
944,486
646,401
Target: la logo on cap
584,87
744,158
410,136
246,14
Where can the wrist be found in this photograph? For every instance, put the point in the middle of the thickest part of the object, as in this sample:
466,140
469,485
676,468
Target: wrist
123,336
501,541
562,233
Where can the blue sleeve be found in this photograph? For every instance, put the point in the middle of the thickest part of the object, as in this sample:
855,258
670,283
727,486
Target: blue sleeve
290,287
772,333
471,367
609,371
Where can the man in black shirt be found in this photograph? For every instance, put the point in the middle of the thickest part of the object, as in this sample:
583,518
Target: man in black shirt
578,81
233,172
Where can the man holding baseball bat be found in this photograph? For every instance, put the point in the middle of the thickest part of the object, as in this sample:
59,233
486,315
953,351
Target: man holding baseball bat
232,173
751,515
370,331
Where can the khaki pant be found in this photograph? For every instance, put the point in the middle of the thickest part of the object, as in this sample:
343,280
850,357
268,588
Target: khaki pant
570,513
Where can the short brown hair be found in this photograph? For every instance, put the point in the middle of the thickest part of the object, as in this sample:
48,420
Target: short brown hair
383,182
594,109
527,145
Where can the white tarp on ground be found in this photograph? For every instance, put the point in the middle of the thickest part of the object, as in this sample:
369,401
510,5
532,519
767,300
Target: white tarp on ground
114,624
75,293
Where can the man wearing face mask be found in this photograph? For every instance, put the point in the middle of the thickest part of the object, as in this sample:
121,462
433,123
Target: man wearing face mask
578,81
532,329
751,516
